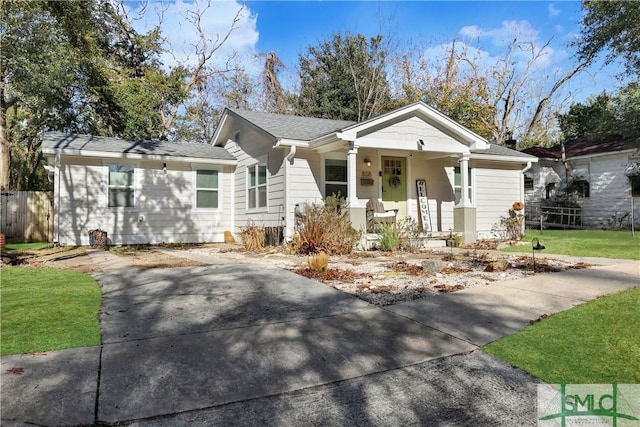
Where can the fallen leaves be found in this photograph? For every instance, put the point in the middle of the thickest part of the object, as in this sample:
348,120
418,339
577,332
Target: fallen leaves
15,371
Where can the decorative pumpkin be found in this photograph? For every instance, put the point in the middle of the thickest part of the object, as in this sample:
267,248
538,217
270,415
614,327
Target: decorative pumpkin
518,206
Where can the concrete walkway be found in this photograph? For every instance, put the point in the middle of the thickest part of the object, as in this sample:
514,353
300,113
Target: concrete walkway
251,345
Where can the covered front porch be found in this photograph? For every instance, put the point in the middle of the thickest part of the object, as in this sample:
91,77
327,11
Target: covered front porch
416,162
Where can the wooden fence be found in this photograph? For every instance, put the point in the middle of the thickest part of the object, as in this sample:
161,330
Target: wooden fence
26,216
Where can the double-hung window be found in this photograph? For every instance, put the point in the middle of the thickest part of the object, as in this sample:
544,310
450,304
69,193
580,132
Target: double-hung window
257,186
121,186
206,189
457,184
335,177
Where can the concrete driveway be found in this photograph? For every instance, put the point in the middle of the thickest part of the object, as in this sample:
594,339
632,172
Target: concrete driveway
243,344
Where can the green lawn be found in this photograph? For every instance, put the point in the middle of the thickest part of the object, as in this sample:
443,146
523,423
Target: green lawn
47,309
597,342
27,246
593,243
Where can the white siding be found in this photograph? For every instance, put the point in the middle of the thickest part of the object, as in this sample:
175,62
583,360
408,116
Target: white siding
495,191
255,148
304,179
610,192
609,189
405,134
163,210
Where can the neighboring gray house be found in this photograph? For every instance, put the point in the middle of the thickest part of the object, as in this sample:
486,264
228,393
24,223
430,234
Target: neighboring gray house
138,192
603,176
285,161
262,167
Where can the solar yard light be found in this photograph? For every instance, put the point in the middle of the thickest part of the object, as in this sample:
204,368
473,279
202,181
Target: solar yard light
535,246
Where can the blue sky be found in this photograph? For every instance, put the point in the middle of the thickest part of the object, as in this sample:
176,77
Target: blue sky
289,27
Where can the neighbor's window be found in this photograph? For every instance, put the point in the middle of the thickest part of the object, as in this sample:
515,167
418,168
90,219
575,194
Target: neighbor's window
257,186
635,186
206,189
549,190
528,183
121,186
581,188
457,184
335,178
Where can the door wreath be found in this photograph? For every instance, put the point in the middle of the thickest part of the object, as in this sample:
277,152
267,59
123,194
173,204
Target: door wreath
394,181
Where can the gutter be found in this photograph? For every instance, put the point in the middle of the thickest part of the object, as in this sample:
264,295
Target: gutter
135,156
288,159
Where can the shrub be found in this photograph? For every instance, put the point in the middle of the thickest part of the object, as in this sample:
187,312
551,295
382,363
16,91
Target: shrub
325,228
252,237
318,262
409,234
513,224
389,240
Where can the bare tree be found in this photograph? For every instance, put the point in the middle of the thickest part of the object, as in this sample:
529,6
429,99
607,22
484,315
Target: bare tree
275,96
205,48
515,94
525,97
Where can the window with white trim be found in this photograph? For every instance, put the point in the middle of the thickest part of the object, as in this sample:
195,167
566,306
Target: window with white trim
335,177
257,186
635,185
121,186
457,184
207,189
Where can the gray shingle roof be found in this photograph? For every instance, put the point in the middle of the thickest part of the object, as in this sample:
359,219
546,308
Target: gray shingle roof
52,141
292,127
500,150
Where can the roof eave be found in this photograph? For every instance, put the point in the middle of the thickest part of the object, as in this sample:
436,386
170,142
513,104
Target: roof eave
135,156
498,158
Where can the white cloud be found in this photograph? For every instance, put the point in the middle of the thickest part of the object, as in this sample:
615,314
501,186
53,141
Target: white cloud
216,20
553,10
471,31
496,41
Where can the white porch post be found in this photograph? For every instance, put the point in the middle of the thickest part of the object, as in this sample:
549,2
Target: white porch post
464,215
464,181
351,174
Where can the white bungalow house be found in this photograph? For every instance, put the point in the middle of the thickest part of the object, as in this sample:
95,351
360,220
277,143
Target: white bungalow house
603,176
262,167
137,191
285,161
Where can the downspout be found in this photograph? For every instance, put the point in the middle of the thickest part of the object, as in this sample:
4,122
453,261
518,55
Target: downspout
522,172
288,159
56,187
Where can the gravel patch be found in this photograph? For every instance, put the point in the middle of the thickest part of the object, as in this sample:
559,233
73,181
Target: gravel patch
384,279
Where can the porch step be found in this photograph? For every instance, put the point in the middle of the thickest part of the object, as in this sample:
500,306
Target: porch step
427,242
435,243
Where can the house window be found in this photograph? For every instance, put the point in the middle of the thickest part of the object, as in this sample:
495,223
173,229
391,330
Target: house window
257,186
528,183
549,190
121,186
635,186
580,187
206,189
335,177
457,184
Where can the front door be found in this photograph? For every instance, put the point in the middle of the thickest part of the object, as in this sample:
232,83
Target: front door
394,184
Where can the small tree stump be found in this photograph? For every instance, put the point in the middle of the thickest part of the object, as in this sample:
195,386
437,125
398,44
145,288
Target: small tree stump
98,239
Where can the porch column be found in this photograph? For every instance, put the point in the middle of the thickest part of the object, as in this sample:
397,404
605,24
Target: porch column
351,174
464,215
464,181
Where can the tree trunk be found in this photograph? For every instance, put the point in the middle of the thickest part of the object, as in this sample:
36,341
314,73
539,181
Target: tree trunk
5,155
